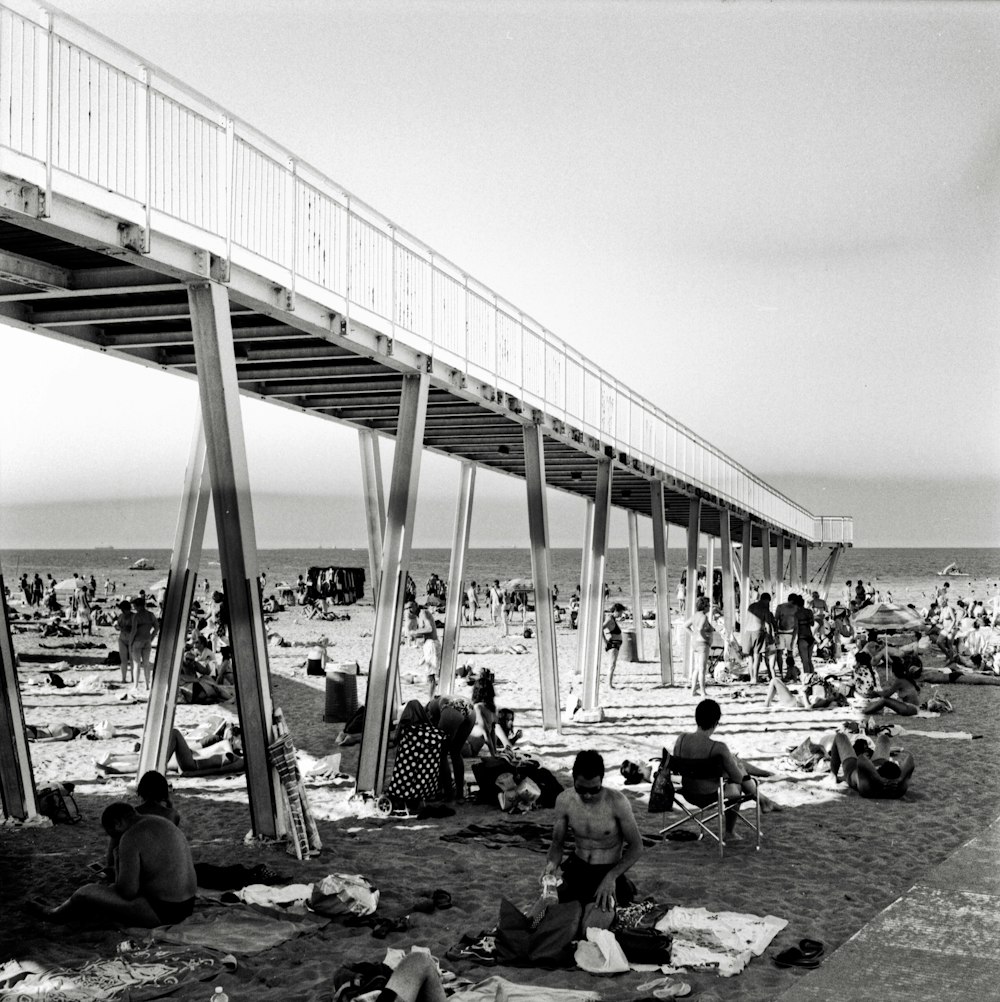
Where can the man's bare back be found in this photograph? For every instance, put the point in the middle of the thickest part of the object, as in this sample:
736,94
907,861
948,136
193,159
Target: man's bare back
154,861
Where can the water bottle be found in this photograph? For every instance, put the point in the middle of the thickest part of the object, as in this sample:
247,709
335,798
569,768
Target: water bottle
219,995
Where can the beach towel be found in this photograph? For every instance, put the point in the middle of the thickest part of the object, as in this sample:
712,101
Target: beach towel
143,974
239,930
500,988
416,771
720,941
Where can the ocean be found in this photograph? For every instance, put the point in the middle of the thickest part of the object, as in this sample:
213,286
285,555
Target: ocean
910,574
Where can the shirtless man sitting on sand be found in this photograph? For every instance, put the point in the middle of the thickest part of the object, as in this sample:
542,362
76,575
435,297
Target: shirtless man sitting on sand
155,881
608,842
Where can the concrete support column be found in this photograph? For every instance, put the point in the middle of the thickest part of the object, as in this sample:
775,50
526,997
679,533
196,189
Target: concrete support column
17,784
658,508
747,537
586,572
804,569
728,591
456,576
780,562
710,568
595,594
227,463
541,576
694,522
831,569
770,584
396,546
633,565
371,478
185,558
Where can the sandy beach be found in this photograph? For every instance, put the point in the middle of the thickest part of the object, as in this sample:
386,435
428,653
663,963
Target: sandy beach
830,861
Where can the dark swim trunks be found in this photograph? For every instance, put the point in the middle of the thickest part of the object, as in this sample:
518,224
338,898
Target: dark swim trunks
169,912
581,880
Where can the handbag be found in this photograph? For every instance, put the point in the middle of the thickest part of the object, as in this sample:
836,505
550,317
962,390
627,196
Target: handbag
644,946
550,944
661,795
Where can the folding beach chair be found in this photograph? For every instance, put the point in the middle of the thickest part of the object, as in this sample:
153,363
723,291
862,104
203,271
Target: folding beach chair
708,811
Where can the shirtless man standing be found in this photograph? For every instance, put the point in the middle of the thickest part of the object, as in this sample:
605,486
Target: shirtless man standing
155,882
607,838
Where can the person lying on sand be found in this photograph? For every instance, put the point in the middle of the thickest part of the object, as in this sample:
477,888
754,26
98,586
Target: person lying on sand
223,754
607,839
885,775
814,695
902,696
154,882
415,979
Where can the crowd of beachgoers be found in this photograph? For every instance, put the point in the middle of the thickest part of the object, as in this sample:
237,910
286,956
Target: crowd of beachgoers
787,725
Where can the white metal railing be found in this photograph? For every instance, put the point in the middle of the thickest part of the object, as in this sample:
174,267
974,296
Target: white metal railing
84,116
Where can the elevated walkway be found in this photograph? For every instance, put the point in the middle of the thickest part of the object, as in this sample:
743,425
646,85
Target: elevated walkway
141,220
940,940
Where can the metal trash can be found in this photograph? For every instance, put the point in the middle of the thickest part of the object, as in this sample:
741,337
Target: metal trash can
341,693
629,650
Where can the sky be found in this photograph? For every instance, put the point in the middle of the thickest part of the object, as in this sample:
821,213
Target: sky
779,222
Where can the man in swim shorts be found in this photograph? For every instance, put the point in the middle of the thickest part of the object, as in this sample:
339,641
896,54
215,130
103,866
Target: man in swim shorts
422,625
885,775
154,882
606,836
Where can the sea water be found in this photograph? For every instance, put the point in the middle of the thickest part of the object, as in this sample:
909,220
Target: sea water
910,574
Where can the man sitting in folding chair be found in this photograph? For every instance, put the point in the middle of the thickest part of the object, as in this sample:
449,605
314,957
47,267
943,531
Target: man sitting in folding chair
700,760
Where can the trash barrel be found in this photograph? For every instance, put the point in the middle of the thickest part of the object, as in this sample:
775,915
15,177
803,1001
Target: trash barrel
629,652
341,693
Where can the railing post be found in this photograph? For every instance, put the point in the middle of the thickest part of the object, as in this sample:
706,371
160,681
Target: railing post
147,77
50,105
348,257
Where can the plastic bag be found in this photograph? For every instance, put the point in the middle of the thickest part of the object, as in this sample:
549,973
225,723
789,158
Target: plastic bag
600,953
343,894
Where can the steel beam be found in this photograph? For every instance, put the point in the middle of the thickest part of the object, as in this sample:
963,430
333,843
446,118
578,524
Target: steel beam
691,593
227,464
633,565
17,783
396,546
661,527
456,576
184,561
541,576
595,593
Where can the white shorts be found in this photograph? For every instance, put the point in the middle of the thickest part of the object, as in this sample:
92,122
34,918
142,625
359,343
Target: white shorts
431,658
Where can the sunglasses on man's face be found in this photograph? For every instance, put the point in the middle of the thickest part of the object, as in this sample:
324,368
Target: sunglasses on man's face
587,791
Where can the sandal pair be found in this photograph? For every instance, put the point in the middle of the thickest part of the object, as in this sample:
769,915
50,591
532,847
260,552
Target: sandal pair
807,954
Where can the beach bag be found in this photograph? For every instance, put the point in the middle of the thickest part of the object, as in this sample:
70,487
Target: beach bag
416,772
661,795
600,953
343,894
550,944
57,802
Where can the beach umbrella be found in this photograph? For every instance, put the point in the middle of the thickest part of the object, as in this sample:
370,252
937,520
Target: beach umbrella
887,617
67,584
162,583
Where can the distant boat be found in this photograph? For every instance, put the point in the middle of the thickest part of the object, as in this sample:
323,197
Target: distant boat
142,564
953,571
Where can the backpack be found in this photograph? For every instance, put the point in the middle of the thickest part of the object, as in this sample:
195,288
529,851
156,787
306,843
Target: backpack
57,802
